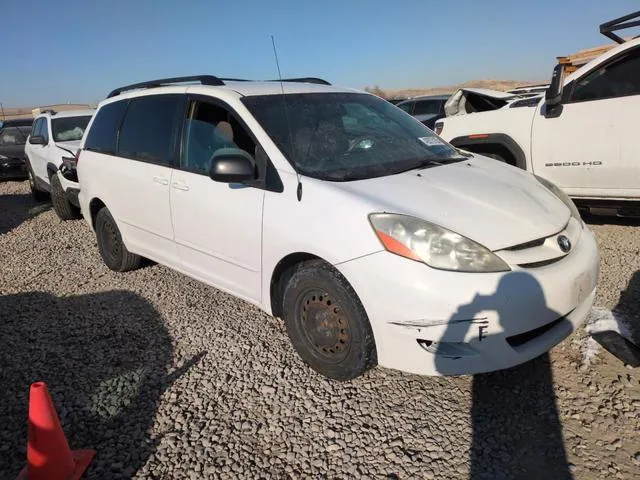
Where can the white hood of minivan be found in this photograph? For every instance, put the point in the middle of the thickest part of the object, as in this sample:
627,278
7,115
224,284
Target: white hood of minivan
491,203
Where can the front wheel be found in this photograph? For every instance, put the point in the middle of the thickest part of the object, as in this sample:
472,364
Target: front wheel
326,322
63,208
112,249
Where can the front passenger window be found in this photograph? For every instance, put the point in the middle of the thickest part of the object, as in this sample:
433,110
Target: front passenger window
208,129
616,79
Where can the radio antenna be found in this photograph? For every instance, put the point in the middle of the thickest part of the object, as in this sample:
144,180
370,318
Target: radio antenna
286,114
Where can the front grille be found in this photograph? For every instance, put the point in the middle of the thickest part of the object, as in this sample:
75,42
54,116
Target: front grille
524,246
543,263
522,338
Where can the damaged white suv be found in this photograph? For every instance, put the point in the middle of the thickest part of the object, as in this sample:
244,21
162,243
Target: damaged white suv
374,240
51,154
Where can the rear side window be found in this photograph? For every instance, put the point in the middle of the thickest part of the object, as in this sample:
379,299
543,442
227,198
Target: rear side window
149,131
103,133
427,107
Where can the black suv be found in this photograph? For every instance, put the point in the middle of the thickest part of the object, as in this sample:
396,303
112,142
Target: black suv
12,156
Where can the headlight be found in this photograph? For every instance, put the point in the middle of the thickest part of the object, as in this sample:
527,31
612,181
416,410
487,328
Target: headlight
438,247
553,188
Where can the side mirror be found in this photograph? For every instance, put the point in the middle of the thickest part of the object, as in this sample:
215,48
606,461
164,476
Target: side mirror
37,140
232,165
553,95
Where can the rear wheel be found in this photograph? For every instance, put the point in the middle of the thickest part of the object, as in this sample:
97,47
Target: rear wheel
64,209
38,195
326,322
112,249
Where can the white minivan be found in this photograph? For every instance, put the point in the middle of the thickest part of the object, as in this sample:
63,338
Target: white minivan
375,241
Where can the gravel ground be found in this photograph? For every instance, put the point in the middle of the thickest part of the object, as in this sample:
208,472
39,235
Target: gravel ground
168,378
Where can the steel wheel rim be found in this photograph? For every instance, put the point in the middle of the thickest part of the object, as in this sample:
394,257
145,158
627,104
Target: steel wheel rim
111,245
324,325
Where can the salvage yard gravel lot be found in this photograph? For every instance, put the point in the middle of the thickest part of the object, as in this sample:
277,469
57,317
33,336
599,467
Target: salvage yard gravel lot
168,378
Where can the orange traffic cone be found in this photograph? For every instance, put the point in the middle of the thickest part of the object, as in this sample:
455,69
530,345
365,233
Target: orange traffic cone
48,453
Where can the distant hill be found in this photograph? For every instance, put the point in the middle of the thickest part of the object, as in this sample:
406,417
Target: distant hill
501,85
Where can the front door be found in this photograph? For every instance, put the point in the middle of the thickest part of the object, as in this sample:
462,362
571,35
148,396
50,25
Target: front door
217,226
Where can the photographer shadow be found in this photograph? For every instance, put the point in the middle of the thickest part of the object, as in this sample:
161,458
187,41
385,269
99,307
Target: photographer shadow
517,432
18,208
105,358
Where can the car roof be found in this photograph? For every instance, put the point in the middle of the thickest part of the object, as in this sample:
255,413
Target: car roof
427,97
276,88
234,88
67,113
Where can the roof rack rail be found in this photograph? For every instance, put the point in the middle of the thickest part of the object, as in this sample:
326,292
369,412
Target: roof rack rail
319,81
203,79
621,23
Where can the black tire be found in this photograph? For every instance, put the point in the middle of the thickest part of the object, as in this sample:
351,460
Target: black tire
38,195
63,208
112,250
326,322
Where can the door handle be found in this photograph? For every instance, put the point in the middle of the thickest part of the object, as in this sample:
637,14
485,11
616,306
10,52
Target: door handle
161,180
180,186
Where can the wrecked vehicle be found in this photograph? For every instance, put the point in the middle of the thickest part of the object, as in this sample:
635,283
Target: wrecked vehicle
582,135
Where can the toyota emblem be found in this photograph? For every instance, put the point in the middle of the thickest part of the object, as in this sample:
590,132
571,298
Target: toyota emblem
564,243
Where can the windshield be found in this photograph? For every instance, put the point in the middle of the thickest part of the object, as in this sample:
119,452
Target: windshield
69,128
347,136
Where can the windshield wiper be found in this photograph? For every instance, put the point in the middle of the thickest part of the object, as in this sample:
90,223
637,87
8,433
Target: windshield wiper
419,165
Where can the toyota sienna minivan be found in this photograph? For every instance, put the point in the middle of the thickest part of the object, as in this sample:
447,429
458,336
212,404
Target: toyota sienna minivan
372,238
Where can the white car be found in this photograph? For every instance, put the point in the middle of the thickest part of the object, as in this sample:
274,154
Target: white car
582,137
374,240
51,154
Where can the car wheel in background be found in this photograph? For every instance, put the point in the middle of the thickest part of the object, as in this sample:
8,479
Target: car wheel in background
62,207
38,195
112,249
326,322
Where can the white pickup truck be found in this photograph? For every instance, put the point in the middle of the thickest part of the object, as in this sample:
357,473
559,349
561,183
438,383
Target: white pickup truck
583,135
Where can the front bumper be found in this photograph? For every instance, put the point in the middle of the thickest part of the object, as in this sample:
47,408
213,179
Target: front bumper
70,186
13,168
433,322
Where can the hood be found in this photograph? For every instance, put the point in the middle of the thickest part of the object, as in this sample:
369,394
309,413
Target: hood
491,203
470,100
70,146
